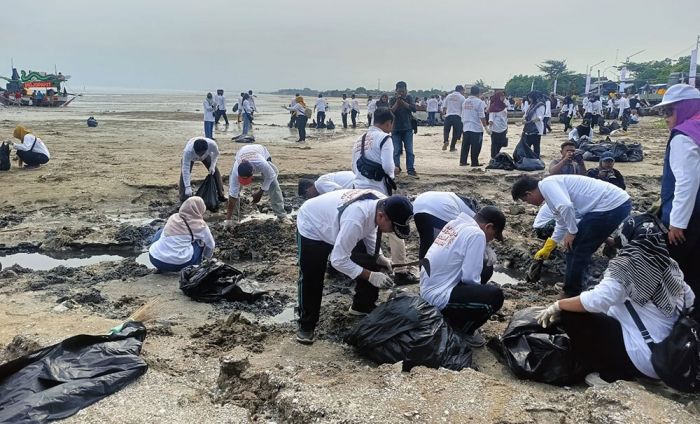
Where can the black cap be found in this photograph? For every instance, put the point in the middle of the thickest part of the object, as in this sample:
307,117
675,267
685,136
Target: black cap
200,146
400,211
245,169
493,215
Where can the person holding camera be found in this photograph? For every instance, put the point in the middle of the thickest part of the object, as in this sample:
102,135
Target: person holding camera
403,106
606,172
570,163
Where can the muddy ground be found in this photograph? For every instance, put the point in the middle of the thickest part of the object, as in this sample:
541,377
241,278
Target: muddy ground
109,190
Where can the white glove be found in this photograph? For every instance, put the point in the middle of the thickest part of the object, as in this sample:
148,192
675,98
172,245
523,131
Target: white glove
188,191
228,223
488,130
548,316
380,280
384,262
212,170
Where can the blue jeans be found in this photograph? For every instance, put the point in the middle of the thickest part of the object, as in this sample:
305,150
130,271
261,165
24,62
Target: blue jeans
246,123
593,229
209,129
401,139
166,267
431,118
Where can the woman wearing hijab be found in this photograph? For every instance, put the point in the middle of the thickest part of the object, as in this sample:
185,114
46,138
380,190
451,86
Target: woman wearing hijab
32,151
498,122
299,108
184,240
680,181
583,130
566,113
534,122
604,337
209,108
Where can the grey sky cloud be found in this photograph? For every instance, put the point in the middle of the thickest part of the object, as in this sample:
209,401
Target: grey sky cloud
270,44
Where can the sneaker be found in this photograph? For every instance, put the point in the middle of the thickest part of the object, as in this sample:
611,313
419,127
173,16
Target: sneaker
476,165
405,279
413,174
593,380
453,150
305,336
475,339
357,311
444,146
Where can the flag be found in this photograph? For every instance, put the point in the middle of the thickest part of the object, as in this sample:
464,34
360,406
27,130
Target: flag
693,67
588,83
555,87
532,86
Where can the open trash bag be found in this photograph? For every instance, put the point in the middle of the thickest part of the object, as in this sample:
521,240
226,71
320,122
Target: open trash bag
409,329
525,159
57,381
209,192
213,281
502,161
539,354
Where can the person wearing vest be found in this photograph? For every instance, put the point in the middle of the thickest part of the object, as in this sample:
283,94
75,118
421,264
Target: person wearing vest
32,151
346,225
680,181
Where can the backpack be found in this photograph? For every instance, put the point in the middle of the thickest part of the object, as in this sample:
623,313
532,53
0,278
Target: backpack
5,163
676,359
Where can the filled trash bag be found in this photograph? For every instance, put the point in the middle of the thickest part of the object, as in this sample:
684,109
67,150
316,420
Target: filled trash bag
244,138
57,381
209,192
525,159
409,329
92,122
5,163
539,354
502,161
213,281
621,152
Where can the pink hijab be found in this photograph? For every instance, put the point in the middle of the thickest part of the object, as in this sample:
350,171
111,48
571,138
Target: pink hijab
192,212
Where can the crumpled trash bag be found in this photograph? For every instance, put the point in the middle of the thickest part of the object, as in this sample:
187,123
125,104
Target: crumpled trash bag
409,329
209,192
244,138
525,159
621,152
5,163
539,354
55,382
92,122
213,281
502,161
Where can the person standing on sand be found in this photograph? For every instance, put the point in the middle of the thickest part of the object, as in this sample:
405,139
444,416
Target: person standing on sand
452,110
355,110
299,110
203,150
248,109
220,101
431,106
402,105
566,114
498,122
473,123
251,99
547,115
533,120
320,108
240,107
345,109
371,107
209,108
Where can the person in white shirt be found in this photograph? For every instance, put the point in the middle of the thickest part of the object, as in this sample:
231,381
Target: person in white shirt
247,111
567,113
344,110
220,101
308,189
31,152
345,225
473,122
251,99
634,117
299,110
547,115
624,113
432,210
320,108
450,277
252,159
642,282
524,105
185,240
452,110
432,108
581,133
371,107
680,180
355,110
498,122
611,107
589,109
597,112
240,107
203,150
293,116
209,108
599,205
534,122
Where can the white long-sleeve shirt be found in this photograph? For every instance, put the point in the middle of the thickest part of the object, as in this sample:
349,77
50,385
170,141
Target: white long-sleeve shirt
319,219
569,109
334,181
453,103
208,112
598,107
473,111
28,142
257,156
624,104
456,257
544,215
355,105
177,250
189,156
432,105
298,108
608,297
373,152
443,205
321,104
220,102
499,121
371,107
684,159
539,113
248,106
570,197
346,106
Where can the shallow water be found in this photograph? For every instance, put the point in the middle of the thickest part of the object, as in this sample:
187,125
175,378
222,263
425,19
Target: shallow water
70,259
502,278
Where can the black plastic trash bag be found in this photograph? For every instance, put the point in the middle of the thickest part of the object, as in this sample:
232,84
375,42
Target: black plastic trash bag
209,192
5,163
409,329
213,281
539,354
525,159
57,381
502,161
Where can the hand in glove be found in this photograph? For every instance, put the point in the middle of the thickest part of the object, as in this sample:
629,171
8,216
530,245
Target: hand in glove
546,250
188,192
228,223
380,280
548,316
212,170
384,262
488,130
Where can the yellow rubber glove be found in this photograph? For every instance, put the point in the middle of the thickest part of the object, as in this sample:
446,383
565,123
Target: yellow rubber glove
546,250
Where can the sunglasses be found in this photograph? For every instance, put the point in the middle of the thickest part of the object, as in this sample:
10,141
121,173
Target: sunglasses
667,111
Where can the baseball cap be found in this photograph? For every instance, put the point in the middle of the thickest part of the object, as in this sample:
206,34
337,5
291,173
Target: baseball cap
493,215
400,211
245,173
607,156
200,146
678,92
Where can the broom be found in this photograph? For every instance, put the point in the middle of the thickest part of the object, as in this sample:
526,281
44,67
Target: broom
147,312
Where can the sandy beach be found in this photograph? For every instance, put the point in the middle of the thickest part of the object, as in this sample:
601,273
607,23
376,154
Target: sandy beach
107,189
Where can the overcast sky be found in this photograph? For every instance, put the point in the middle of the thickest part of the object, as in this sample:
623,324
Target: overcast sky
270,44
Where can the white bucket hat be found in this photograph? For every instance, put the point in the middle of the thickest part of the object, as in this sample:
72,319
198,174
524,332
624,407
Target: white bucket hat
678,92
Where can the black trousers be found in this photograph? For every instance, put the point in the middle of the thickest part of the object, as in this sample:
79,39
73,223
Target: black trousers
353,117
597,343
320,119
301,126
217,178
592,118
533,140
686,255
471,140
32,158
428,227
566,120
218,114
545,121
292,121
471,305
454,123
344,117
498,141
626,118
313,258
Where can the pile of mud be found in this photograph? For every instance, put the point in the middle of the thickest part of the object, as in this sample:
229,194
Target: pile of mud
225,334
257,240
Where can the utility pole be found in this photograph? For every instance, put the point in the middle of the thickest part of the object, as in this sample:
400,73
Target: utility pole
379,84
